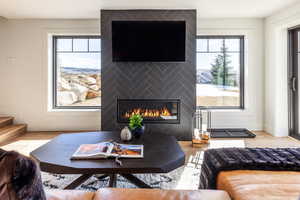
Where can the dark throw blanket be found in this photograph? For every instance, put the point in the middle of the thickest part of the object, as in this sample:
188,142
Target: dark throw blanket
217,160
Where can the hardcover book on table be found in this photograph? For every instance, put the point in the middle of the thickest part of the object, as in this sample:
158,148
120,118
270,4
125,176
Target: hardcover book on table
108,149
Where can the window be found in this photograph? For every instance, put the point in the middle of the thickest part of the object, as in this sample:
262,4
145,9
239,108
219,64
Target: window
220,72
76,70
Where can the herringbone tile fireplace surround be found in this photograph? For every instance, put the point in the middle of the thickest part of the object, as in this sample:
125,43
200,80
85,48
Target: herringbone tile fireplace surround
149,80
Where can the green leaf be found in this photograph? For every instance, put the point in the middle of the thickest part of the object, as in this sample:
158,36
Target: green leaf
135,121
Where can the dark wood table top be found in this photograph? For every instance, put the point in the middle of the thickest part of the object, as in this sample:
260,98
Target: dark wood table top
162,154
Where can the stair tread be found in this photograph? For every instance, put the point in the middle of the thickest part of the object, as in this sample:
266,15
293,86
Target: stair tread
10,128
4,119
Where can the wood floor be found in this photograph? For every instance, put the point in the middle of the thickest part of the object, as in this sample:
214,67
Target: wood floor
32,140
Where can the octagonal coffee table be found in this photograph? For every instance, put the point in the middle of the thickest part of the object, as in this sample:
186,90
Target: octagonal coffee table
162,154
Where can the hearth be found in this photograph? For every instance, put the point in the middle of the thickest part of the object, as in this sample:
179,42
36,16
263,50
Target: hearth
152,110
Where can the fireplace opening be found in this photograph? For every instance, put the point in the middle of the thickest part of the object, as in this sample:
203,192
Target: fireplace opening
152,110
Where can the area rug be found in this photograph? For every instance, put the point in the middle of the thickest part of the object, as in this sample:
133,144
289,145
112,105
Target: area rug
186,177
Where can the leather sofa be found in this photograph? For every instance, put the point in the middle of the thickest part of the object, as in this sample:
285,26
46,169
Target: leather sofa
236,185
260,185
137,194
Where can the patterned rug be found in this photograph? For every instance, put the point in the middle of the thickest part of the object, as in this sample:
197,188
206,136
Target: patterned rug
185,177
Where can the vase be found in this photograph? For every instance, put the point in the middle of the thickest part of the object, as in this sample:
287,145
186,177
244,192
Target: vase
126,134
138,132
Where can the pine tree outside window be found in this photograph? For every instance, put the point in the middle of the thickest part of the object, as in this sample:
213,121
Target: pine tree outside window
220,72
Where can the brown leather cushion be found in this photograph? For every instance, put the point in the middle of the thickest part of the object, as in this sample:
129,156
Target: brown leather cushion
69,195
155,194
260,185
137,194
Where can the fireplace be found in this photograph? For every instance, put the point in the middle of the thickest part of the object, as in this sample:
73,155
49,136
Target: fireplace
152,110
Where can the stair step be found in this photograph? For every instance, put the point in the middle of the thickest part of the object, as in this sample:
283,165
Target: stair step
4,121
11,131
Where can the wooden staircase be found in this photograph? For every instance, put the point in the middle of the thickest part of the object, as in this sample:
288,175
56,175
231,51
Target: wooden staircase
8,130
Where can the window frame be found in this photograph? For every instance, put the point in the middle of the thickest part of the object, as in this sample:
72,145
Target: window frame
242,70
54,69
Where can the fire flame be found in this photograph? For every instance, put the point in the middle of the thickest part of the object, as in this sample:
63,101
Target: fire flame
152,113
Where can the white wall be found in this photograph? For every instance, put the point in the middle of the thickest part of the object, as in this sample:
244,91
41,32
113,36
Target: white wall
24,73
276,31
2,64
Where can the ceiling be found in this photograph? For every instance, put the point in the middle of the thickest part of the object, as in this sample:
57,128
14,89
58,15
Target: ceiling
77,9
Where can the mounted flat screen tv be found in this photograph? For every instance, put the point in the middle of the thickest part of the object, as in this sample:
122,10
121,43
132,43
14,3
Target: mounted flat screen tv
148,41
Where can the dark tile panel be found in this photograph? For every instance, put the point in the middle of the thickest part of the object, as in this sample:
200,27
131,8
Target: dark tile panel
142,80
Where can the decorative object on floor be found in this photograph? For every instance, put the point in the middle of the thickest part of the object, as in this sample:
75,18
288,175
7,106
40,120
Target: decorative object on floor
202,124
205,136
126,134
232,133
136,125
200,139
196,140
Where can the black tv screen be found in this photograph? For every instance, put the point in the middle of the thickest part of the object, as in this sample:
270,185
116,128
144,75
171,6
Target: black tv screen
148,41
